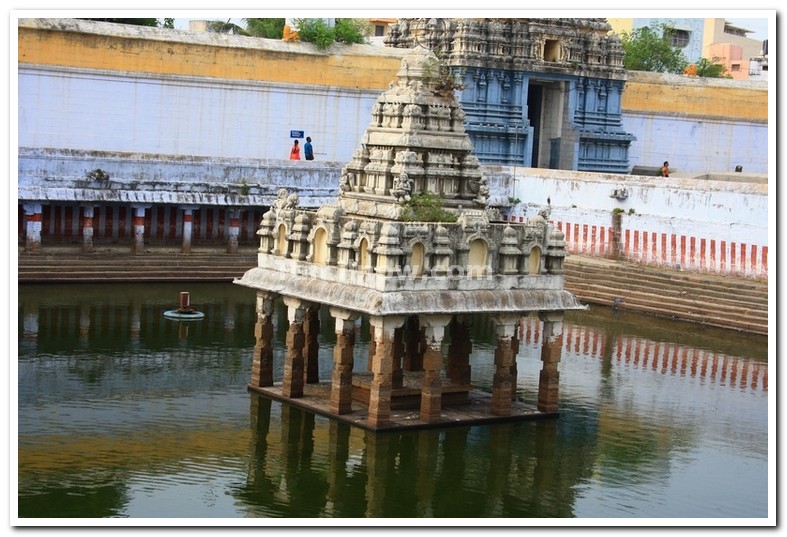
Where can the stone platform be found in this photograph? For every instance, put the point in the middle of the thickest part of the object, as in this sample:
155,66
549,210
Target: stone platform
474,410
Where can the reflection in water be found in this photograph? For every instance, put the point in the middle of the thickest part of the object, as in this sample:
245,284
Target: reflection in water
123,413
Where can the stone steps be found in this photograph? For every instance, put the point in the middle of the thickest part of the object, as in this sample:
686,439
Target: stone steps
123,267
726,302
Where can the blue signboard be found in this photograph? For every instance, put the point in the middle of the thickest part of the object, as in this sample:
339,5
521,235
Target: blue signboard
296,134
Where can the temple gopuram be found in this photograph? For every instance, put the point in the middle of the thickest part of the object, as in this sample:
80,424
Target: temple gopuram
541,92
412,245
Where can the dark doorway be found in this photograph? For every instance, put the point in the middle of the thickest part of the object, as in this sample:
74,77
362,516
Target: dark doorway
535,98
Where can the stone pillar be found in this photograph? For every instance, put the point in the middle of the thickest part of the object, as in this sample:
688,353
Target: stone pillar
188,229
551,349
503,385
311,349
138,247
33,226
458,367
233,231
262,362
432,386
87,229
342,378
382,369
292,384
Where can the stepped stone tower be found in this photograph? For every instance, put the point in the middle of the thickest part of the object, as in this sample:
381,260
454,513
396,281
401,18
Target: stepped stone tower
419,280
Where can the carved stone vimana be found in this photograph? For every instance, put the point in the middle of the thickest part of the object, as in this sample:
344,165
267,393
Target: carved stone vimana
417,282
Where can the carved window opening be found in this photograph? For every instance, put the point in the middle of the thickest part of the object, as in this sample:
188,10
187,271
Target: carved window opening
551,50
417,259
364,261
320,247
477,258
534,261
281,240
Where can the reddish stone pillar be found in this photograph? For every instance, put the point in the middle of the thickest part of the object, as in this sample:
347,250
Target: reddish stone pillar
503,385
551,349
138,247
87,229
432,386
233,231
262,362
382,369
33,226
311,349
292,384
458,367
188,229
342,377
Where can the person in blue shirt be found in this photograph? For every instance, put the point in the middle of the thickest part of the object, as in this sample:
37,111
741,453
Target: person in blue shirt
307,149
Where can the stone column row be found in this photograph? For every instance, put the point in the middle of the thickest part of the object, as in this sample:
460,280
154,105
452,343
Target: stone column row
34,221
393,341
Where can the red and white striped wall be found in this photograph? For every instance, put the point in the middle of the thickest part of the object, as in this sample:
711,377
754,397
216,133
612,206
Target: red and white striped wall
693,253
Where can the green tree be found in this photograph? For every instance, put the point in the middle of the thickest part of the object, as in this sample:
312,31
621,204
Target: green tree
269,28
322,35
709,69
426,207
650,49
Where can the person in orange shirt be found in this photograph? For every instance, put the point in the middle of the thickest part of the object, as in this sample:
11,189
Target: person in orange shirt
295,152
665,169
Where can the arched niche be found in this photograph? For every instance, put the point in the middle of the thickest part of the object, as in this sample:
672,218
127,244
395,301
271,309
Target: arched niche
477,257
417,259
281,240
320,247
534,261
364,258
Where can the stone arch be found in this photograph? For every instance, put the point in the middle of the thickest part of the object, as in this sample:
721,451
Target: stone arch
477,257
281,240
418,259
320,246
364,255
534,261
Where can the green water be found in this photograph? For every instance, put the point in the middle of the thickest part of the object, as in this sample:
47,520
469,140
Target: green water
123,414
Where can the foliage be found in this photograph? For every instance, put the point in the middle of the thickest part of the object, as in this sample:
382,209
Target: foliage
514,201
707,68
650,49
426,207
268,28
318,32
437,75
156,23
352,30
228,27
